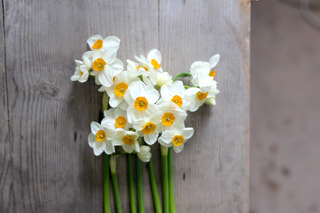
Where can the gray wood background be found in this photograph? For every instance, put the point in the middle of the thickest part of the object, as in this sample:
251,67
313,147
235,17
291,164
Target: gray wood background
45,162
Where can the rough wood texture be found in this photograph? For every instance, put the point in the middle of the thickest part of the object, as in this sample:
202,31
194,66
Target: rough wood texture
49,166
5,151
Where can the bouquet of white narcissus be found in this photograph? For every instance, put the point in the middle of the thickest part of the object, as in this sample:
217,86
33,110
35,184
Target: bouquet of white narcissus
147,106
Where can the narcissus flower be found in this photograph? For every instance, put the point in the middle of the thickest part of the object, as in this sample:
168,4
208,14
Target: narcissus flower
120,85
115,119
127,139
100,139
81,73
174,93
176,137
144,154
141,99
105,66
97,42
203,75
146,67
196,98
170,114
149,127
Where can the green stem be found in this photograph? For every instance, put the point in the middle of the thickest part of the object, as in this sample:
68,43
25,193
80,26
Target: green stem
106,184
131,186
105,101
182,75
140,187
171,183
154,188
116,193
165,187
106,176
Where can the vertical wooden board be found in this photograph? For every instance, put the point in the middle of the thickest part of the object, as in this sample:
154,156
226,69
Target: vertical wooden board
211,174
6,198
54,170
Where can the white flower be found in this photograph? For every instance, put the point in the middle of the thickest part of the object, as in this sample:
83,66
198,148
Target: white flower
100,139
105,66
81,73
211,100
149,127
127,139
171,114
196,98
119,87
163,78
176,137
146,67
97,42
141,99
203,75
115,118
175,93
144,154
154,57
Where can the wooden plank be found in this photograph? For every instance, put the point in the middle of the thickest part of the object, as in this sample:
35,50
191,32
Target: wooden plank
6,195
212,173
53,168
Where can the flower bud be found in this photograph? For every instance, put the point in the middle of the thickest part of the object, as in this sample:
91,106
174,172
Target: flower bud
144,154
163,78
211,100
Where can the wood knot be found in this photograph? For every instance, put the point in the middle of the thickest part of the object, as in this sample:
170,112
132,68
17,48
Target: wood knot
48,90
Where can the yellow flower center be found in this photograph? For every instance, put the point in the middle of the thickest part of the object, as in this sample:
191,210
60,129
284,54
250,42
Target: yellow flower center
212,74
145,68
141,103
101,135
155,64
98,64
201,96
178,140
168,119
127,139
121,121
120,89
98,44
149,128
177,100
81,73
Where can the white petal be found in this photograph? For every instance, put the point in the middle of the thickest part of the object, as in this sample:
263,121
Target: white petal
151,138
112,42
95,127
188,132
105,78
128,148
75,77
213,61
178,149
98,148
154,54
117,66
93,39
200,66
91,139
109,149
114,102
84,77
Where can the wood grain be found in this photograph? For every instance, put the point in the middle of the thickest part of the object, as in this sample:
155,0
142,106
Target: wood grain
6,196
49,166
211,174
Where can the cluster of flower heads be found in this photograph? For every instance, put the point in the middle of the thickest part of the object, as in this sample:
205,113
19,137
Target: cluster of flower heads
145,101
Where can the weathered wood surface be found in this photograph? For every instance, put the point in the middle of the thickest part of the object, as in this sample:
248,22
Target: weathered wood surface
46,164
